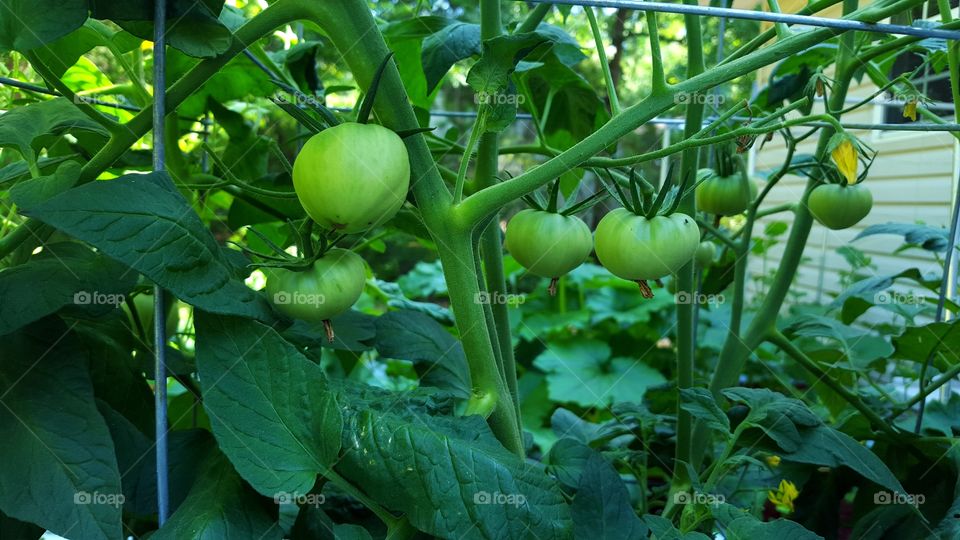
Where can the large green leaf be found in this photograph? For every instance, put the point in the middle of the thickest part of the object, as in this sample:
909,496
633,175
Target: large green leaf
443,49
602,509
781,418
448,475
20,126
581,371
219,506
437,355
267,404
740,524
141,221
59,469
71,274
193,27
28,24
917,342
700,404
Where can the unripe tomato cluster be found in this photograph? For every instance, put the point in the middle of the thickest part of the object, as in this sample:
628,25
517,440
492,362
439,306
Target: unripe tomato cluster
629,246
349,178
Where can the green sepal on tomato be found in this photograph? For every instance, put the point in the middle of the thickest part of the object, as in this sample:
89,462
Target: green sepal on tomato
840,206
548,244
352,177
639,249
328,288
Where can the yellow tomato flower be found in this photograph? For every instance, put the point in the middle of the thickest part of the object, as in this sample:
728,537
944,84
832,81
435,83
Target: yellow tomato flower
910,110
773,461
784,496
845,156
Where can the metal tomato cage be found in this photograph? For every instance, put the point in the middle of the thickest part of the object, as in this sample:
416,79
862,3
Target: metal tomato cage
159,112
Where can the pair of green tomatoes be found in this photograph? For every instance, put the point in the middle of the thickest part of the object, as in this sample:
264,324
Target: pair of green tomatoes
630,246
349,178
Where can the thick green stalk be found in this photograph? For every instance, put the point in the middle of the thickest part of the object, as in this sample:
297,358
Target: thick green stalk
604,64
686,330
351,27
491,245
534,18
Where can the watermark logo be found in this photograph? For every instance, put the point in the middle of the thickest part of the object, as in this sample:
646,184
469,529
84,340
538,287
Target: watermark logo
298,99
698,98
295,298
97,298
885,498
685,497
512,499
686,298
499,298
497,98
898,298
110,499
299,499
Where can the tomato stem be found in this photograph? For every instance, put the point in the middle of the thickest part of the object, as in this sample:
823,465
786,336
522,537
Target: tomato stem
645,289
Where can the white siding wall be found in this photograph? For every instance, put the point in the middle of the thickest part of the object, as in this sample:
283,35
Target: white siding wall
912,180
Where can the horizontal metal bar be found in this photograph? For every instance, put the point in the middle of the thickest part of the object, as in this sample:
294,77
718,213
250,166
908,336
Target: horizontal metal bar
732,13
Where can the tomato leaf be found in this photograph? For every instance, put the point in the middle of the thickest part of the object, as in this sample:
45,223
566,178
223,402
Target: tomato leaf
61,472
437,356
267,405
28,24
72,274
700,404
602,509
141,221
20,126
737,523
220,505
443,49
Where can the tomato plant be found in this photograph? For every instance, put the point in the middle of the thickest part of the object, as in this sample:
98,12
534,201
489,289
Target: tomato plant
411,174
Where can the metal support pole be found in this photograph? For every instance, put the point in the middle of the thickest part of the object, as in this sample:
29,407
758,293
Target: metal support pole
159,307
707,11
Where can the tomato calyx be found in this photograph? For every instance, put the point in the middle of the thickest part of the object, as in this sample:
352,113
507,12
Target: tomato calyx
645,290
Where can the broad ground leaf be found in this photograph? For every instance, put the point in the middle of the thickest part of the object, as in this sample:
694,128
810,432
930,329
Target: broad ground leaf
141,221
582,372
71,274
267,404
219,506
437,355
28,24
20,126
601,509
60,470
740,524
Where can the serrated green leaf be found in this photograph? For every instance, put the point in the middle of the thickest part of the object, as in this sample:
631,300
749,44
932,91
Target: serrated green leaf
267,404
20,126
61,472
700,404
739,524
601,509
143,222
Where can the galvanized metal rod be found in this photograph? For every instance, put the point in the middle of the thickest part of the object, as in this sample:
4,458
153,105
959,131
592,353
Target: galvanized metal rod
159,308
732,13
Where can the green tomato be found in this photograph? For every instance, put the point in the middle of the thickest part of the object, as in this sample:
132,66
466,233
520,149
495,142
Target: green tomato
725,196
839,206
635,248
546,243
705,254
144,305
320,293
352,177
